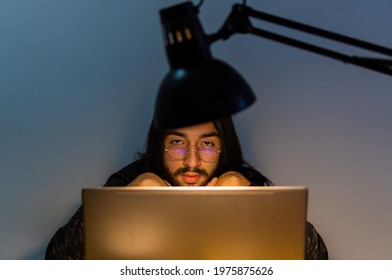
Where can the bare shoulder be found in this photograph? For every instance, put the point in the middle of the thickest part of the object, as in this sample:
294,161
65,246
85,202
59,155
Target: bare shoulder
148,179
232,178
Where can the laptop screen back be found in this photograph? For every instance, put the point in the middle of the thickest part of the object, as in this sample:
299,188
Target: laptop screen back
195,222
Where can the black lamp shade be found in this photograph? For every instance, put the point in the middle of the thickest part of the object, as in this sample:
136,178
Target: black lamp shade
189,96
198,87
185,42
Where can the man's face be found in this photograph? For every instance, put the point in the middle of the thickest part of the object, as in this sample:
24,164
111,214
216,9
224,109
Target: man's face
185,166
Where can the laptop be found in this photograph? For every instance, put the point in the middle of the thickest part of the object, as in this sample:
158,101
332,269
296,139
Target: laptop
195,223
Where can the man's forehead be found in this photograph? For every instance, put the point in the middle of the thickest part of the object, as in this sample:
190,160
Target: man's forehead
200,131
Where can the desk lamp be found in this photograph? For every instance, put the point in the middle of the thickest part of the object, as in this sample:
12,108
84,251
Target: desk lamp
212,87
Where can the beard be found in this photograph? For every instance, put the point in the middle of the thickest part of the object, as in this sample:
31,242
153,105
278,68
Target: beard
172,177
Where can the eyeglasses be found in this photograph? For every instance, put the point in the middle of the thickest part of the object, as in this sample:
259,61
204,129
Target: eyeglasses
204,154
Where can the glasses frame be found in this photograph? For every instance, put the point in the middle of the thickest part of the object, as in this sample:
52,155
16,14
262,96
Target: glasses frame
188,151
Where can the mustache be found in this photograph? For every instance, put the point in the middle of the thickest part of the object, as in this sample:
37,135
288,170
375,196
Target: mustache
188,169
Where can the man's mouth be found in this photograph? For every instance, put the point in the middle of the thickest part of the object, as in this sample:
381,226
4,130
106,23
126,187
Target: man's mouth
190,177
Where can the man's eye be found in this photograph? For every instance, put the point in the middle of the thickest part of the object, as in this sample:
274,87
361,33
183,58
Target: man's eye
176,142
208,144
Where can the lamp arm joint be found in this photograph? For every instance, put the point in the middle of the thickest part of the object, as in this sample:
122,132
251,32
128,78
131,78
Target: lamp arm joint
237,22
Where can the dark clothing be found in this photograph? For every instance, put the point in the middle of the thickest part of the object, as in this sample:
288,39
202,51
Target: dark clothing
68,241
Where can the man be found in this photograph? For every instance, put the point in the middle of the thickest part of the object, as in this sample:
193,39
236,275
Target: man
207,154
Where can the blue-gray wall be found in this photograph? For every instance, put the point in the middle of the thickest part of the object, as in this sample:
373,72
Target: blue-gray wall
78,80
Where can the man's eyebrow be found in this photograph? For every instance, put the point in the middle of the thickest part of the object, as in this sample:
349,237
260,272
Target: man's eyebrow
209,134
175,133
205,135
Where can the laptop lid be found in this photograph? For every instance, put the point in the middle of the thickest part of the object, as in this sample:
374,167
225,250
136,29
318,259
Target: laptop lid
195,222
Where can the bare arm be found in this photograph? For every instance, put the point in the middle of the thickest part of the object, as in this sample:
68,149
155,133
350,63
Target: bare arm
148,180
232,178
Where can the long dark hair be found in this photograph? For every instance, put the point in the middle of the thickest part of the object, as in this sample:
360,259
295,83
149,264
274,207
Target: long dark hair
230,159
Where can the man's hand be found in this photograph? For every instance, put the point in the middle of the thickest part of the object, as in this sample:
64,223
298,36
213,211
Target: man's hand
148,180
232,178
212,182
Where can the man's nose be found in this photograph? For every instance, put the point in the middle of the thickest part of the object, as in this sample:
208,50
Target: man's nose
192,159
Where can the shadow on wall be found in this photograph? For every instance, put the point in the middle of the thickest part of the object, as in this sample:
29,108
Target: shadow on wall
39,254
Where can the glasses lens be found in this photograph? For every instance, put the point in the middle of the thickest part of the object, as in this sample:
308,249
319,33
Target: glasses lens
176,153
208,154
205,154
